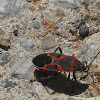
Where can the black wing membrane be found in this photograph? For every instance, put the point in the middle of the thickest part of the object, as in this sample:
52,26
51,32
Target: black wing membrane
42,60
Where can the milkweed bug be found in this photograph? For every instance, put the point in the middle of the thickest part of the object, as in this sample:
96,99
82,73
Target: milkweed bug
59,62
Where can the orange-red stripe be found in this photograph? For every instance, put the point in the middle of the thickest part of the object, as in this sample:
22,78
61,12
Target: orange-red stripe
59,67
52,64
62,56
73,63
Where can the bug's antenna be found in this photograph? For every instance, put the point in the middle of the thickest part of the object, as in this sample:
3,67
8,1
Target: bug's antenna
92,60
88,66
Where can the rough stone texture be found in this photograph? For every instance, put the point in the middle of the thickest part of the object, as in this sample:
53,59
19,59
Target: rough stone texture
84,31
7,84
48,42
84,48
27,44
98,4
22,69
73,4
58,25
85,2
60,13
1,32
5,57
4,39
8,8
36,24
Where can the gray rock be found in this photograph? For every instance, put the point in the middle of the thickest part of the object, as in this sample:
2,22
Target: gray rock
36,24
4,39
8,8
48,42
60,13
1,32
62,33
10,98
55,99
85,2
73,4
7,84
98,5
15,32
84,48
83,31
27,44
5,57
22,69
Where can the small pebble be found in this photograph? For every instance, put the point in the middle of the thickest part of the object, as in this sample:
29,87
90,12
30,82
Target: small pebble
27,44
73,4
7,84
55,99
5,57
15,32
4,40
1,31
62,33
60,13
93,30
99,88
85,2
48,42
83,31
84,48
98,4
22,69
70,99
36,24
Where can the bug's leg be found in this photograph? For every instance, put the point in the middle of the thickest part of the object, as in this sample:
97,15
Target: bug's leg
69,76
74,76
59,50
85,63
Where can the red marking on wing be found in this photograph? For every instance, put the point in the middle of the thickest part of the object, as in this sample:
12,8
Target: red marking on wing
59,67
62,56
52,64
44,70
73,63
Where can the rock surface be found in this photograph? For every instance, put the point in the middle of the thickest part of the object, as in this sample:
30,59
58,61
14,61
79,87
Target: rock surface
7,84
98,4
73,4
27,44
36,24
24,25
22,69
8,8
83,31
4,40
5,57
48,42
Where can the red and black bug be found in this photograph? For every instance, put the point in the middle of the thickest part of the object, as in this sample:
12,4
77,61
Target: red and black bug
59,62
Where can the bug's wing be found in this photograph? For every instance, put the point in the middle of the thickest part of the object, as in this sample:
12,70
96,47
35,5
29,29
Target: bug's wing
42,60
51,67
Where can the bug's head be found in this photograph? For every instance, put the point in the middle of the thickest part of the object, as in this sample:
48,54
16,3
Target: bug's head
42,60
80,66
